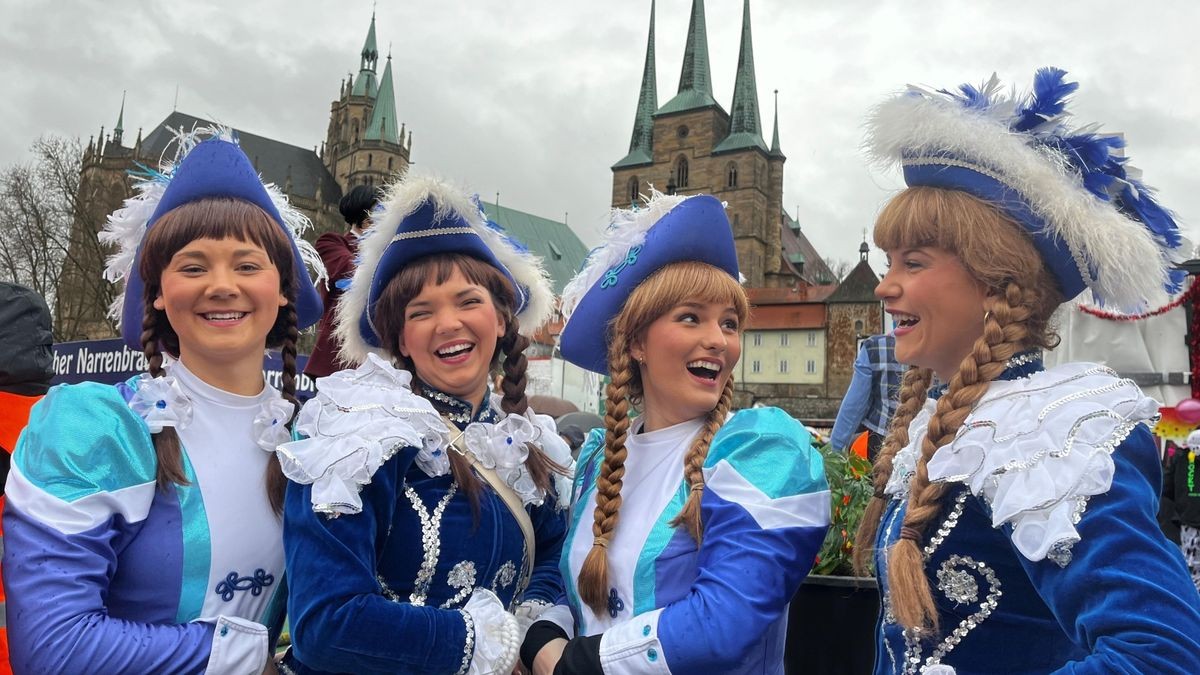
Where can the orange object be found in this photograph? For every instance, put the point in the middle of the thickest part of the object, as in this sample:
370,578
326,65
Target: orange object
859,445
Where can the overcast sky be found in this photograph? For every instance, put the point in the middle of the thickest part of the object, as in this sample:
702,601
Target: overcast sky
535,98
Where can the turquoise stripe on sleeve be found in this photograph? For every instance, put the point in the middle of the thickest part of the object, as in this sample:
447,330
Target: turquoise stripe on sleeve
645,572
197,547
591,455
82,439
771,450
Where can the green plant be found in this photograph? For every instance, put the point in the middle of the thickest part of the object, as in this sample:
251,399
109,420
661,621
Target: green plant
850,489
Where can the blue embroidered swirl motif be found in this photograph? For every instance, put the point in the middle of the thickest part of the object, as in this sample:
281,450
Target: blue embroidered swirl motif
610,277
615,604
255,584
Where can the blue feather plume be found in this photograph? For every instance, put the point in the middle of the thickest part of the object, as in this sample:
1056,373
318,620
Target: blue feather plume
1048,100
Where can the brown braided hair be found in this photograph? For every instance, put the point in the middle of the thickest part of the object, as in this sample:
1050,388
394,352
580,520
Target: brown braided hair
509,350
654,297
1021,297
214,218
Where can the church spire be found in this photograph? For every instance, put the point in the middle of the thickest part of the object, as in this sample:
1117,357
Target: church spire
364,84
120,128
775,151
383,118
641,145
745,126
695,79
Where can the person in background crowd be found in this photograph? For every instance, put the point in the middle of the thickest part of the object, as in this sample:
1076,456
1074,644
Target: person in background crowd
870,400
143,530
338,251
1013,524
691,527
1182,488
26,368
424,511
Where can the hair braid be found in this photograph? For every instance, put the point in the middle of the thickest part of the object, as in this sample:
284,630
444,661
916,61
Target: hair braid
912,398
593,576
693,464
513,345
275,480
167,453
1004,334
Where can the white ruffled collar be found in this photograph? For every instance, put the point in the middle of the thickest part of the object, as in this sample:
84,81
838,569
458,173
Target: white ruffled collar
1035,449
166,401
360,418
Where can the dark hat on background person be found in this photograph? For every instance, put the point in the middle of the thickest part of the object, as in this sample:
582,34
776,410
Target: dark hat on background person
1095,224
26,341
357,204
639,242
209,163
423,216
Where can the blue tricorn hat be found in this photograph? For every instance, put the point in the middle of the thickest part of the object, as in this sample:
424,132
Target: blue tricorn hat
215,167
1094,223
420,217
638,243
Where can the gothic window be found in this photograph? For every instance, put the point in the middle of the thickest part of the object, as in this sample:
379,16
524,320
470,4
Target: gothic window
631,190
681,173
354,131
731,175
369,159
390,163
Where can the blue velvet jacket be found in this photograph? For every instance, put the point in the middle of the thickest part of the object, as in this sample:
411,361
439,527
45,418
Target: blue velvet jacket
1047,556
380,590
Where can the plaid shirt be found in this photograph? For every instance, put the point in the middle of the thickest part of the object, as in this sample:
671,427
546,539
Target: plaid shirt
874,392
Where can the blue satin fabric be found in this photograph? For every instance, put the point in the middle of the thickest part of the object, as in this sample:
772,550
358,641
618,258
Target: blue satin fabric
1124,604
341,619
106,599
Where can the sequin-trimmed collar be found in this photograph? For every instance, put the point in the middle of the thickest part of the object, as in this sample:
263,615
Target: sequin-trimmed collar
1020,366
456,409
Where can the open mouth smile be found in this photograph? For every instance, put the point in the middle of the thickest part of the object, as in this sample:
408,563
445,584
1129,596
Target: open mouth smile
456,352
704,370
224,317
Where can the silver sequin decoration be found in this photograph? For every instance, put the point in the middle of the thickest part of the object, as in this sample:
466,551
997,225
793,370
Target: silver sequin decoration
469,643
951,521
504,576
462,577
430,540
977,571
387,590
958,585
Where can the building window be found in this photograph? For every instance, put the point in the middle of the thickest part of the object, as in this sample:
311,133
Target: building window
632,190
758,339
390,163
812,339
354,131
811,366
370,160
783,366
755,367
681,172
731,175
858,327
783,339
682,131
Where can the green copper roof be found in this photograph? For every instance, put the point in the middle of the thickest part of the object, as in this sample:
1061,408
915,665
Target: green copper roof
641,145
561,251
695,80
745,127
775,151
383,117
364,84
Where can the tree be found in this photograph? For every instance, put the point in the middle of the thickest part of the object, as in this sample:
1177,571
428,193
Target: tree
839,267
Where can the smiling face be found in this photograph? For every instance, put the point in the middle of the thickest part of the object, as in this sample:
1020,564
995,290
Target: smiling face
937,306
685,358
450,333
221,297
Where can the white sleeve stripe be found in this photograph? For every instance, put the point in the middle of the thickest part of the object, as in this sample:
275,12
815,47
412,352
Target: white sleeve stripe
805,510
81,515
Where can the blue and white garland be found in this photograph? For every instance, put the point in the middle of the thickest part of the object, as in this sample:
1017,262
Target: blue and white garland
1075,180
126,227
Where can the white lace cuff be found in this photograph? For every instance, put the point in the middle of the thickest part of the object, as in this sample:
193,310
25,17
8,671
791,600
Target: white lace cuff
1037,449
239,647
358,420
496,643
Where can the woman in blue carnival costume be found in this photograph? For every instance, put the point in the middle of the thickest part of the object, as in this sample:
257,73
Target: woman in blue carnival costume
143,528
691,528
1013,526
424,510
